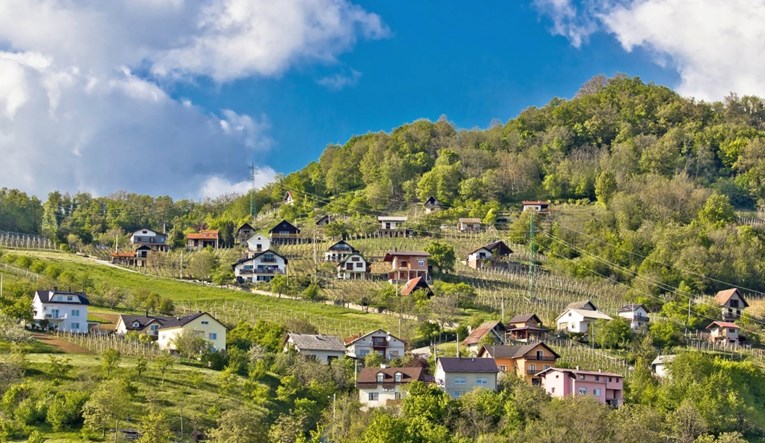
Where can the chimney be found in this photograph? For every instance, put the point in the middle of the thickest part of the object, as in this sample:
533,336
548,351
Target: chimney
577,368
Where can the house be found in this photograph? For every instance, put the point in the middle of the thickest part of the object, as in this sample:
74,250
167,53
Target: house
259,267
487,255
284,233
524,327
200,324
577,321
354,267
379,341
538,206
606,387
486,332
142,324
636,314
458,376
407,265
432,205
322,348
124,258
583,304
202,239
385,386
339,252
724,332
61,310
288,198
324,221
469,224
152,239
522,361
659,365
390,223
244,232
416,284
732,303
258,243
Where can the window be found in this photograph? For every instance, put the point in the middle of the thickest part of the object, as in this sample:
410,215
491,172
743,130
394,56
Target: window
135,323
459,380
456,394
581,377
373,396
597,378
380,377
482,381
205,322
397,395
213,336
421,263
75,326
503,368
596,392
397,377
69,298
552,390
532,368
154,328
363,352
582,391
610,379
75,312
540,354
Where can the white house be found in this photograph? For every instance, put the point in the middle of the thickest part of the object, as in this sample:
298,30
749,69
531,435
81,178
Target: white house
258,243
323,348
732,303
339,252
260,267
141,323
659,365
469,224
390,223
538,206
379,386
578,320
201,324
488,254
379,341
636,314
458,376
62,311
353,267
152,239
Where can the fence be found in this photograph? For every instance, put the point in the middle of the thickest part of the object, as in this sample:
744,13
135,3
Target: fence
99,343
15,240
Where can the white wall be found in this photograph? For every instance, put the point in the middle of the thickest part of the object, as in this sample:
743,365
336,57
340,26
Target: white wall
382,395
362,347
218,342
62,316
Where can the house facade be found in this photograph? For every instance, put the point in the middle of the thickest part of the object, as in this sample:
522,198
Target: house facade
391,223
458,376
606,387
637,315
146,237
202,239
258,243
578,321
379,341
142,324
407,265
200,324
284,233
724,332
432,205
339,252
385,386
353,267
732,304
524,327
525,362
259,267
322,348
61,310
538,206
469,224
244,232
489,255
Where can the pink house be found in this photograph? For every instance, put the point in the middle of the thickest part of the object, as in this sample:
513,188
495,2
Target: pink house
607,387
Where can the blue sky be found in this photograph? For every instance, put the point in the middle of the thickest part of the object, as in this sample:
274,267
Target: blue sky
169,97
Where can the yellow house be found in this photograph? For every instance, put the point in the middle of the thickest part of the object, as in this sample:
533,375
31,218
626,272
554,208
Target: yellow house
523,361
201,324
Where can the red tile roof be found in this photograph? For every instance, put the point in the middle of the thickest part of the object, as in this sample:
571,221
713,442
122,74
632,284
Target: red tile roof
722,297
211,234
723,324
368,376
478,333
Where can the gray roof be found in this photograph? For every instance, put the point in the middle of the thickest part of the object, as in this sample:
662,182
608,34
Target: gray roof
632,307
143,321
458,364
582,304
316,342
523,318
183,321
79,297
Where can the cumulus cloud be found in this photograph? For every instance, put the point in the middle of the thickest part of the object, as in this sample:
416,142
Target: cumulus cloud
715,46
340,80
216,186
83,101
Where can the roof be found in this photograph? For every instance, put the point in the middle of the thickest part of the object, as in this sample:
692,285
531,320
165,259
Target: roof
368,376
415,284
663,359
497,351
632,307
723,324
722,297
316,342
458,364
432,202
258,254
205,234
499,247
146,231
575,372
523,318
586,313
328,219
143,321
179,322
535,202
45,295
478,333
392,218
354,338
469,220
282,225
582,304
355,253
245,226
389,255
126,254
337,247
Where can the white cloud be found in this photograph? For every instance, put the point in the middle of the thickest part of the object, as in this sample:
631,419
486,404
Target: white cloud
568,21
340,80
216,186
715,46
83,105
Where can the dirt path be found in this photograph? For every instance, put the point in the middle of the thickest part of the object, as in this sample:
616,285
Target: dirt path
63,345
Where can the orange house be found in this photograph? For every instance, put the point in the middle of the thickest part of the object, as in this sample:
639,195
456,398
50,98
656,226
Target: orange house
524,361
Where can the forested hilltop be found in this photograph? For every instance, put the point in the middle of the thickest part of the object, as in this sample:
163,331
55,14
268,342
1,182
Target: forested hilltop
667,174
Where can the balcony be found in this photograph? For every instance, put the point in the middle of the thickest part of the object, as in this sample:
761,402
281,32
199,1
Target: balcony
542,358
55,317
